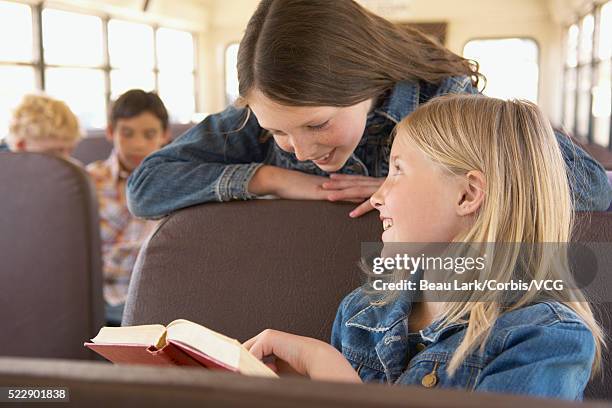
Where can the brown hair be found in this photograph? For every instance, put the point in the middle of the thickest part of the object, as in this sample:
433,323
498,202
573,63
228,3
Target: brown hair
335,53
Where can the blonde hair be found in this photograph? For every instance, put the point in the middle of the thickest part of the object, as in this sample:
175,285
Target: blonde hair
40,117
514,146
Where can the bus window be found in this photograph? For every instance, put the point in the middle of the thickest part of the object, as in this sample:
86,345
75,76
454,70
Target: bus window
80,64
509,64
132,56
231,74
176,62
602,91
17,75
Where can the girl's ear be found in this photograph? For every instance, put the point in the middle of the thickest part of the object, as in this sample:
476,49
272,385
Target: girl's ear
472,193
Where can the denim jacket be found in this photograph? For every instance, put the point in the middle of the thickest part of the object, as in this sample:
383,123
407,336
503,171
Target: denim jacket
214,161
543,349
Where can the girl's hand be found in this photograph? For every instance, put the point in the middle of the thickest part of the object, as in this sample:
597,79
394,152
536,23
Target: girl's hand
296,185
302,356
289,184
353,188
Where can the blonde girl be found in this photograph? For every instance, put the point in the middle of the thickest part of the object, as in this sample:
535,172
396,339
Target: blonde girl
466,170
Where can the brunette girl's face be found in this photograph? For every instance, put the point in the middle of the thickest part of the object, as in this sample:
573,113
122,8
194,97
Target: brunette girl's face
325,135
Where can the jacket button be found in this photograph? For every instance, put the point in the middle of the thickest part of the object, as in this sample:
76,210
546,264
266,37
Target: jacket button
430,380
420,347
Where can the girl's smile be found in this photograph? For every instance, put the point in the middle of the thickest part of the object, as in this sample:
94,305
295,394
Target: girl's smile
325,135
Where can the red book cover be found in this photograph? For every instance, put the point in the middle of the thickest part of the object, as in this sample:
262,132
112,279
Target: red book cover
203,359
170,354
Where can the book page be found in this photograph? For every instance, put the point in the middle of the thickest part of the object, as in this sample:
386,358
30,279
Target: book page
251,365
209,342
221,348
151,334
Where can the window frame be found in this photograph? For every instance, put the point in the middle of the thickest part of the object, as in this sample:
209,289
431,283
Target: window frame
518,37
593,65
38,59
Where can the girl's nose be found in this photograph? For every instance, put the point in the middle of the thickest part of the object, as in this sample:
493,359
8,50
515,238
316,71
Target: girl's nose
301,151
377,198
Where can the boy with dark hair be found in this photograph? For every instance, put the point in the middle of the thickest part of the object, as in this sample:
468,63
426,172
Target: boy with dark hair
138,126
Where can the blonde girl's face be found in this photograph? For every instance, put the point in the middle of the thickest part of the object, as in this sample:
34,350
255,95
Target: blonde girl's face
325,135
419,200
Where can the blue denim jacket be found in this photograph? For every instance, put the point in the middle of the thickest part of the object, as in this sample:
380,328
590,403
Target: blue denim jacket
543,349
214,162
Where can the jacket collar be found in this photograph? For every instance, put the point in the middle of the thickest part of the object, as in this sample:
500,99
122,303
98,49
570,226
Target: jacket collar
398,102
381,318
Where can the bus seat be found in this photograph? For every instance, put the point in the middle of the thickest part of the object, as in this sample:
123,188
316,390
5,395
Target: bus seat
241,267
205,263
596,228
99,385
50,250
609,173
93,147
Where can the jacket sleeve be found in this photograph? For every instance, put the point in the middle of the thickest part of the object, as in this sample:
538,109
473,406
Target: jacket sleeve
546,361
213,161
587,179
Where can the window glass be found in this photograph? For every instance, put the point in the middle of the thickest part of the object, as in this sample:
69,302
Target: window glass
231,74
175,50
510,66
584,100
84,96
585,50
16,24
605,32
177,92
14,83
602,108
569,105
72,39
130,45
124,79
572,46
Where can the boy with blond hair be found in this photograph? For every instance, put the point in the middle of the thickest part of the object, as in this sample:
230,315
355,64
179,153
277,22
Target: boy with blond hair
44,125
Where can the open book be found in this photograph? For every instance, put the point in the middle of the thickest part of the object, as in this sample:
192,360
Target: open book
180,343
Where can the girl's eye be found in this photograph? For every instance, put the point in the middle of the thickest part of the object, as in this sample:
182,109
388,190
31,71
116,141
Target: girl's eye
319,127
396,170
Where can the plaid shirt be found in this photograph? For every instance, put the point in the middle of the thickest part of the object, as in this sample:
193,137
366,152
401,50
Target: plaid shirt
122,233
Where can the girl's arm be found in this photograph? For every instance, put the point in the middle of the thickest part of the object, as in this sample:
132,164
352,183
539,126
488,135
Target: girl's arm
588,181
214,162
210,162
546,361
302,355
